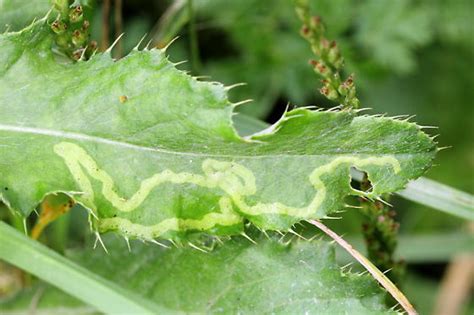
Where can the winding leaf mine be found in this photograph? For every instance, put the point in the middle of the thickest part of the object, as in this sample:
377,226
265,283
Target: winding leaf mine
167,162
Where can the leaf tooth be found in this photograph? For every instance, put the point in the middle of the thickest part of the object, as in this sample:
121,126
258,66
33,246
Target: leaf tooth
318,236
280,232
137,47
248,237
359,110
296,234
128,244
409,118
300,224
242,102
204,78
343,268
91,212
326,217
265,234
335,108
287,243
384,202
399,117
387,271
443,148
311,108
434,137
352,206
282,238
230,87
197,247
173,243
218,239
94,53
98,239
158,243
428,127
83,55
175,64
46,17
164,49
109,50
397,308
362,273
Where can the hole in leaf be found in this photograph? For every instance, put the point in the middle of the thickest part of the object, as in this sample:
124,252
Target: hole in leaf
360,180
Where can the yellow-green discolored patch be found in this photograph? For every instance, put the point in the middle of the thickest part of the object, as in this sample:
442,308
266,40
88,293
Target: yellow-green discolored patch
235,180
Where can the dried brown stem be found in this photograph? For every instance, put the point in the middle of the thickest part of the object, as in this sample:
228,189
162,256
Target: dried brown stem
455,286
104,42
118,27
376,273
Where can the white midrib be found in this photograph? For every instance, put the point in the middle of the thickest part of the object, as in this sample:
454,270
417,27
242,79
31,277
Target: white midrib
82,137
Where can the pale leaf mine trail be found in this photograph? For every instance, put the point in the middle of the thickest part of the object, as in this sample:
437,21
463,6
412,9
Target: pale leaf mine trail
234,179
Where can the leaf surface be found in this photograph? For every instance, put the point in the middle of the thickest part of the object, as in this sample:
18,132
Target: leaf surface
239,277
152,152
16,14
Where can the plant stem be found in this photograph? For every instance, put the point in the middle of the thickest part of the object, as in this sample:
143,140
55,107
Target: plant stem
104,42
195,62
118,27
329,63
376,273
169,24
380,231
456,286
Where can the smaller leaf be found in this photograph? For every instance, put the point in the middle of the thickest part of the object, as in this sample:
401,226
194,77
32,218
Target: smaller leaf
238,277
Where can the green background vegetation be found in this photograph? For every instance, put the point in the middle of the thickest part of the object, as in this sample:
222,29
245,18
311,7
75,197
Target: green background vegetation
409,58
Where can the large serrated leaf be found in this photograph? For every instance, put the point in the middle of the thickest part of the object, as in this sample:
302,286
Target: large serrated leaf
237,278
152,151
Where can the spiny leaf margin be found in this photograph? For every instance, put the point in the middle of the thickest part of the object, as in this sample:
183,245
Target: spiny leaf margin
188,127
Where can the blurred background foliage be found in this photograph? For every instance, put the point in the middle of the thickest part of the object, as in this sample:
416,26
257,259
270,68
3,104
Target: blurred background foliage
409,57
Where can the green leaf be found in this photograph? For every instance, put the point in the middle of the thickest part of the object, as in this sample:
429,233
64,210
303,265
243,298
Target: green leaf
152,152
236,278
423,190
16,14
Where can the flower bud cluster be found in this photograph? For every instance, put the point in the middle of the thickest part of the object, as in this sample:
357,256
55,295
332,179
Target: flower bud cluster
72,31
330,61
380,232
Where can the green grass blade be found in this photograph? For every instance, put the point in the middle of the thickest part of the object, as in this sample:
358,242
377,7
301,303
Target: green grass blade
439,247
423,190
424,248
31,256
439,196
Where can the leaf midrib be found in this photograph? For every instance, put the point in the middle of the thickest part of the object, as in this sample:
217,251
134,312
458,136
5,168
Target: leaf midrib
83,137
